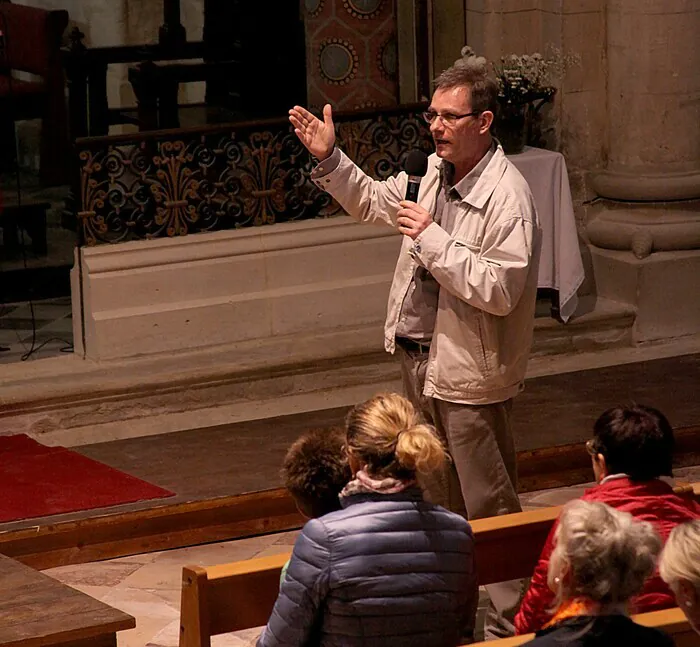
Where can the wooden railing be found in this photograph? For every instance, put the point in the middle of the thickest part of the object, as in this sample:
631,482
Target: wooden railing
175,182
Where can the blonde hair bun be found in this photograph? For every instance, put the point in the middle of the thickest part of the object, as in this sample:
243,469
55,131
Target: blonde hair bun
419,450
387,435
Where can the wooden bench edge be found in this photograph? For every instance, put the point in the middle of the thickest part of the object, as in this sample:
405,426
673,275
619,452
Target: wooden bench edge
195,627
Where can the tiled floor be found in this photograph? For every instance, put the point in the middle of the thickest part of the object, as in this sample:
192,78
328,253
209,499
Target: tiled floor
148,586
53,325
60,241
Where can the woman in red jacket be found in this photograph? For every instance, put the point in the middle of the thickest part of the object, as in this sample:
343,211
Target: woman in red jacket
631,449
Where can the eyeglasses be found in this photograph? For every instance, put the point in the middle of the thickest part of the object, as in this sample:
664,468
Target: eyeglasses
447,118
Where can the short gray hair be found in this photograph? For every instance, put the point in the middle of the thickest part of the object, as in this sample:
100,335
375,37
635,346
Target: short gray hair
605,554
473,72
680,559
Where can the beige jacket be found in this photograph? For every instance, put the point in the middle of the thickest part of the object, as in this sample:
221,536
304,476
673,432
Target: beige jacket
486,268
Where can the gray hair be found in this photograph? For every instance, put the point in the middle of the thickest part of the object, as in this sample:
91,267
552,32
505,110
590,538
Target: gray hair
473,72
680,559
601,554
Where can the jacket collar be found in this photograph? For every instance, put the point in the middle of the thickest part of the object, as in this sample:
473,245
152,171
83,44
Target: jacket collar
653,487
412,494
488,180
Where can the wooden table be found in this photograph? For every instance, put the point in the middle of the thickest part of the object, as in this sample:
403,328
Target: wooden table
38,611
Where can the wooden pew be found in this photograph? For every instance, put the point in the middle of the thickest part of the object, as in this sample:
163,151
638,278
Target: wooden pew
240,595
672,621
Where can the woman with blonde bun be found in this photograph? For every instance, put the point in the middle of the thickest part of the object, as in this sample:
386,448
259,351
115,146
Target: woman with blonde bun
388,568
680,569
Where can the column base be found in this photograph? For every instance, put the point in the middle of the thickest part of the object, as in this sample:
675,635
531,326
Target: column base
680,185
662,287
646,228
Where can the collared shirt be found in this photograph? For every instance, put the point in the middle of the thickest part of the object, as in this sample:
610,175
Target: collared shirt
419,308
613,477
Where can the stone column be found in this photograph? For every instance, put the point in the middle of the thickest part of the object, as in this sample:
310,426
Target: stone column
646,229
653,128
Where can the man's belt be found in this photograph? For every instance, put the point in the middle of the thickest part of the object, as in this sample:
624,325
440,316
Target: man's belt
413,346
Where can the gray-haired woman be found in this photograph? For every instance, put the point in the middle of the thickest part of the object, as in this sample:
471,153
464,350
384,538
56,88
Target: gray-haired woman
601,559
680,569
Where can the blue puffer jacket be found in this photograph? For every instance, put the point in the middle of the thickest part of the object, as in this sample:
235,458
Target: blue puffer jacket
387,569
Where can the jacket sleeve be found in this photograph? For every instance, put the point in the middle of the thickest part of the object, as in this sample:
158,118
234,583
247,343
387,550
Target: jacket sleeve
491,279
362,197
296,612
535,607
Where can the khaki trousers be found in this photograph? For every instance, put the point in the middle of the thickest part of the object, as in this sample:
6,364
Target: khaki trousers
481,478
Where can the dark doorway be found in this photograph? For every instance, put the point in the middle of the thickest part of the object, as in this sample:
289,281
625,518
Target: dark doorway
268,39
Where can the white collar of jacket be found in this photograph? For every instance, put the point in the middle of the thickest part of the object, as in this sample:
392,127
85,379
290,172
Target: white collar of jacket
488,180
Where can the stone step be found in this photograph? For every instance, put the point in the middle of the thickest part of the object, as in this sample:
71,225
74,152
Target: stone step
70,401
598,323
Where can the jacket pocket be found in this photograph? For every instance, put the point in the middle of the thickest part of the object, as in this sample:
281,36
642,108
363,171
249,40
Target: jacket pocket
480,326
474,247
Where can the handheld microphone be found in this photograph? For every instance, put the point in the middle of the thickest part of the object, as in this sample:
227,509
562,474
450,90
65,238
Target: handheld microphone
416,166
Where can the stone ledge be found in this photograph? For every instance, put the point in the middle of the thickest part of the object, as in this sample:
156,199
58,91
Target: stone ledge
72,401
598,323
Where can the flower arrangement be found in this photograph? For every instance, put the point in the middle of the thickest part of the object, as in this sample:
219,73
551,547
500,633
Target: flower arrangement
525,83
525,79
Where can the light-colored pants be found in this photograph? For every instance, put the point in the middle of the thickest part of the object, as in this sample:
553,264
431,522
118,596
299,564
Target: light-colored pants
480,480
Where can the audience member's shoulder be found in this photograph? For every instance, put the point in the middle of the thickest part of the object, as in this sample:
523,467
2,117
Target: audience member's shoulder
650,636
624,626
448,520
604,630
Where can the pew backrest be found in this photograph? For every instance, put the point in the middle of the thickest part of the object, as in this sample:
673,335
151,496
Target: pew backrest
228,597
240,595
672,621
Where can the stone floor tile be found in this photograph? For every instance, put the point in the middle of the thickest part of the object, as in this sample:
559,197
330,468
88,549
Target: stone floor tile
95,574
142,558
556,496
141,604
219,553
142,634
170,596
159,576
287,538
275,549
168,636
245,638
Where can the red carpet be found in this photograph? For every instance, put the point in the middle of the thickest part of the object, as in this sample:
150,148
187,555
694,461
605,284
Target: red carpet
38,481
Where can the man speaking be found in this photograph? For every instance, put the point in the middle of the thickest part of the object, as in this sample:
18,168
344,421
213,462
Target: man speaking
461,304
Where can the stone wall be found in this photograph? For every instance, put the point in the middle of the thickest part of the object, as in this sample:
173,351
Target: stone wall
576,28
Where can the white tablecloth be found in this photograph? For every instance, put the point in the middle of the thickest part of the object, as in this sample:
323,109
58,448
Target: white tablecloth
561,267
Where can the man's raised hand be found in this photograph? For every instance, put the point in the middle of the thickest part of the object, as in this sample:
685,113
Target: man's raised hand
318,136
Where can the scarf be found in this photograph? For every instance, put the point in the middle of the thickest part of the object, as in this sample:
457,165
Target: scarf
572,609
363,483
584,607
